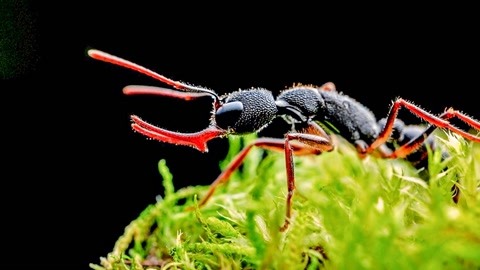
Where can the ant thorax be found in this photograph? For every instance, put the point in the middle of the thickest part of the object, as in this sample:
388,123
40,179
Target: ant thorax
301,103
352,119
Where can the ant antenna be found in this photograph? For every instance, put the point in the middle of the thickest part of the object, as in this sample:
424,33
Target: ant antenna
106,57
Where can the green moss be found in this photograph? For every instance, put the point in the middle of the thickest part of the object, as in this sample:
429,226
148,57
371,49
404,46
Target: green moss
348,213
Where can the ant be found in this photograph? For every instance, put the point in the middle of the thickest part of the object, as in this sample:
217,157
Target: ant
307,109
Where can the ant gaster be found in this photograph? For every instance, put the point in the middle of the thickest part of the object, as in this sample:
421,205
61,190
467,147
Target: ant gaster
304,107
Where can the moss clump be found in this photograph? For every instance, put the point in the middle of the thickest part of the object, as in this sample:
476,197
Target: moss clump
348,213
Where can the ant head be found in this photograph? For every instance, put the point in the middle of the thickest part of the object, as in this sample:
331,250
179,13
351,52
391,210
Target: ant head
239,112
246,111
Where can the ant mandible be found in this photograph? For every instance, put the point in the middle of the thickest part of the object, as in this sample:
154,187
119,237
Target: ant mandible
249,111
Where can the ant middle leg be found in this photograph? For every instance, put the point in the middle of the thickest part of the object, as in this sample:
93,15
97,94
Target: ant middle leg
312,141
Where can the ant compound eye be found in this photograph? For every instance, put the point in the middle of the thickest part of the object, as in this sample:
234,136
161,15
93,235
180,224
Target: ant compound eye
228,114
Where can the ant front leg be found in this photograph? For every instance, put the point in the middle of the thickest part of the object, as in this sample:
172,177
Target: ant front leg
436,121
316,139
314,143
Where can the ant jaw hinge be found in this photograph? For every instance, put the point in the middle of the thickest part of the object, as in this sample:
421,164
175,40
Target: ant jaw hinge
197,140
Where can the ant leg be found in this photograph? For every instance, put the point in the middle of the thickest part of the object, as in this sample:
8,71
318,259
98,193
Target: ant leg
414,144
264,143
411,146
417,142
436,121
293,144
321,144
312,136
268,143
450,113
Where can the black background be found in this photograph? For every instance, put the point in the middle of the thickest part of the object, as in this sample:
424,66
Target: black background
75,174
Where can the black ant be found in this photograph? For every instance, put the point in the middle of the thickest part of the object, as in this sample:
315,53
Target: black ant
302,106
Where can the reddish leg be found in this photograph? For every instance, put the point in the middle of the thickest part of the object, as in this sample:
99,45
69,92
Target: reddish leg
450,113
293,144
413,145
437,121
323,144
